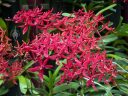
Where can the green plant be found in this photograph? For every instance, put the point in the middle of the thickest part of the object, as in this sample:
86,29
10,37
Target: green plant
64,54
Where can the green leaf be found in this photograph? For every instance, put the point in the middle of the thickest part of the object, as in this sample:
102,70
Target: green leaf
117,92
120,42
114,56
120,22
29,83
1,82
122,55
28,65
22,84
50,74
108,92
3,24
117,57
57,70
109,38
84,5
124,88
57,79
31,87
105,9
122,30
46,78
65,86
68,15
64,94
3,90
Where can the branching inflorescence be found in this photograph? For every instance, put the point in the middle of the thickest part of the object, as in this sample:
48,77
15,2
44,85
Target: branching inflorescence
74,39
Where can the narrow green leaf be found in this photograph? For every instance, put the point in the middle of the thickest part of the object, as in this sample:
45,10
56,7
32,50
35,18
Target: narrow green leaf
46,78
106,8
50,74
57,79
108,93
57,71
28,65
117,57
84,5
124,89
65,86
120,22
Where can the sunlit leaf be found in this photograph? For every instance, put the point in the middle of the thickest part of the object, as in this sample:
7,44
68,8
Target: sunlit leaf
68,15
1,82
22,84
3,24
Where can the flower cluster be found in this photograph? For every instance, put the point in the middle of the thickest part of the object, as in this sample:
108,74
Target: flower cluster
34,17
8,71
74,39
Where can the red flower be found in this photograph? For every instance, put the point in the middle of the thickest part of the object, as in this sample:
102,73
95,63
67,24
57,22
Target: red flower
7,71
34,17
42,65
74,41
27,18
14,70
3,68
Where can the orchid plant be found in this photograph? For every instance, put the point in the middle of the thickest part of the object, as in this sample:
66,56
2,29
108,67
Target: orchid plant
58,55
72,39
